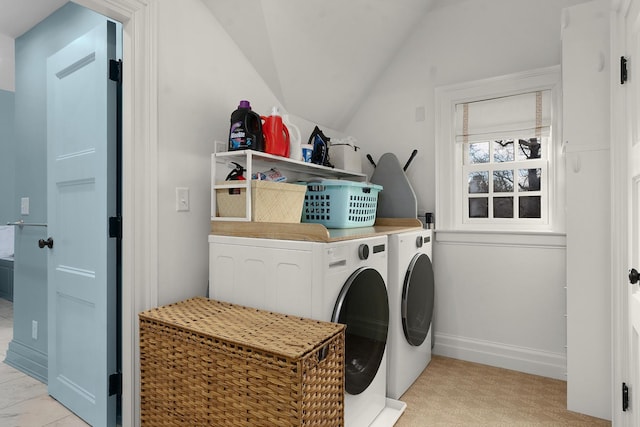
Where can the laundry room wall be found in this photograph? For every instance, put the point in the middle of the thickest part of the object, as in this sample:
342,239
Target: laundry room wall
7,138
499,304
202,76
7,156
7,63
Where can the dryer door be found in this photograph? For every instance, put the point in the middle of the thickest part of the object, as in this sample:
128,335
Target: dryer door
417,299
363,306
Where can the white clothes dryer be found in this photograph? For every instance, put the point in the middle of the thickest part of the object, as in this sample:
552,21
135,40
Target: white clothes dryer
411,292
341,281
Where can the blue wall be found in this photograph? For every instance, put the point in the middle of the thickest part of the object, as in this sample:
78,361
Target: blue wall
30,269
7,156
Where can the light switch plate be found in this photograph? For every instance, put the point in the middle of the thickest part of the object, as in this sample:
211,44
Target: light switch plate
220,146
182,199
24,206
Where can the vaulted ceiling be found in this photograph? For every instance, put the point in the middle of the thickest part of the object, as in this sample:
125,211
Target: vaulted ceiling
319,57
19,16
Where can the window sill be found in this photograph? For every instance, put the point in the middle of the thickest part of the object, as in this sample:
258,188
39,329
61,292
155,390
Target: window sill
502,238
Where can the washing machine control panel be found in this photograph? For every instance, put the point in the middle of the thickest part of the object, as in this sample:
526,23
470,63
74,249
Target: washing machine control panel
378,248
363,251
421,240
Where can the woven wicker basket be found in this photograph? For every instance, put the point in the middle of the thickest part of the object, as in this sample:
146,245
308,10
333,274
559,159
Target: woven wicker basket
208,363
270,202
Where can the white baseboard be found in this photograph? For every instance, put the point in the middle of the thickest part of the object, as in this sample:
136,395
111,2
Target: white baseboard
522,359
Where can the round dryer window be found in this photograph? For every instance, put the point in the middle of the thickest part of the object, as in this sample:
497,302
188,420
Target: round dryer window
363,305
417,300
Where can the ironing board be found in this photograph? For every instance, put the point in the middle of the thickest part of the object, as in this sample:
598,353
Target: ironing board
397,199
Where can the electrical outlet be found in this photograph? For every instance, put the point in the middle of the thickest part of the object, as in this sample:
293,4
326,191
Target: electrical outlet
34,329
182,199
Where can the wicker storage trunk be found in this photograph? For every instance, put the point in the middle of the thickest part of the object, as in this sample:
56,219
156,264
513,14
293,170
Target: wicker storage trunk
209,363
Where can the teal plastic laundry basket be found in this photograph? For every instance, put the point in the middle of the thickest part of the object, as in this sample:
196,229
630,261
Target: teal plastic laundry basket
340,204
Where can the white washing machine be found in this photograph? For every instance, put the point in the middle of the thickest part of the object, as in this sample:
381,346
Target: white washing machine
411,292
340,281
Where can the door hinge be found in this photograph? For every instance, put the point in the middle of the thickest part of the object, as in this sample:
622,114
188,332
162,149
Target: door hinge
623,70
115,227
625,397
115,383
115,70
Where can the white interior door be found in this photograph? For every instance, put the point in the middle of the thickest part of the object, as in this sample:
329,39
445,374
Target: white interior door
81,144
633,137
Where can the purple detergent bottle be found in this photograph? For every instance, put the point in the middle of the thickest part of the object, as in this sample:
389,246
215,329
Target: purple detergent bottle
245,132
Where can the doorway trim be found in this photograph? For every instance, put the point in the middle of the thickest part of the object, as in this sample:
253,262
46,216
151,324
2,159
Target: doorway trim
619,222
139,180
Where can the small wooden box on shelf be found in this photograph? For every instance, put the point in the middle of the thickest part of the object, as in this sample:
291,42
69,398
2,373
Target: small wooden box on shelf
270,202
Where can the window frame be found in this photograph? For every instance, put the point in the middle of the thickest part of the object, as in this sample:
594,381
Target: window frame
515,165
451,201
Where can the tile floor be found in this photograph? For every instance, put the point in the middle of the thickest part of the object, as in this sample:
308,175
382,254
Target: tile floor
24,401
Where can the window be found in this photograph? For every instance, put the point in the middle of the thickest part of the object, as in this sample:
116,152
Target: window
504,163
497,166
505,179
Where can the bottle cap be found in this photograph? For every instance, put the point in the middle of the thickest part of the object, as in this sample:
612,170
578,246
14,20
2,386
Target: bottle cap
244,104
275,111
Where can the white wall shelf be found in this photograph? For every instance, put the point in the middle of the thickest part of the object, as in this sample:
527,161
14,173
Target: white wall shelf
257,161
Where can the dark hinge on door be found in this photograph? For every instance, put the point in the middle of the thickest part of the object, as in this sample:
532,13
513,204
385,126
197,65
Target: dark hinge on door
625,397
115,227
115,70
623,70
115,383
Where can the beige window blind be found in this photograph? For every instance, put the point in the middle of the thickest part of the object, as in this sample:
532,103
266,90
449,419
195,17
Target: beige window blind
516,116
